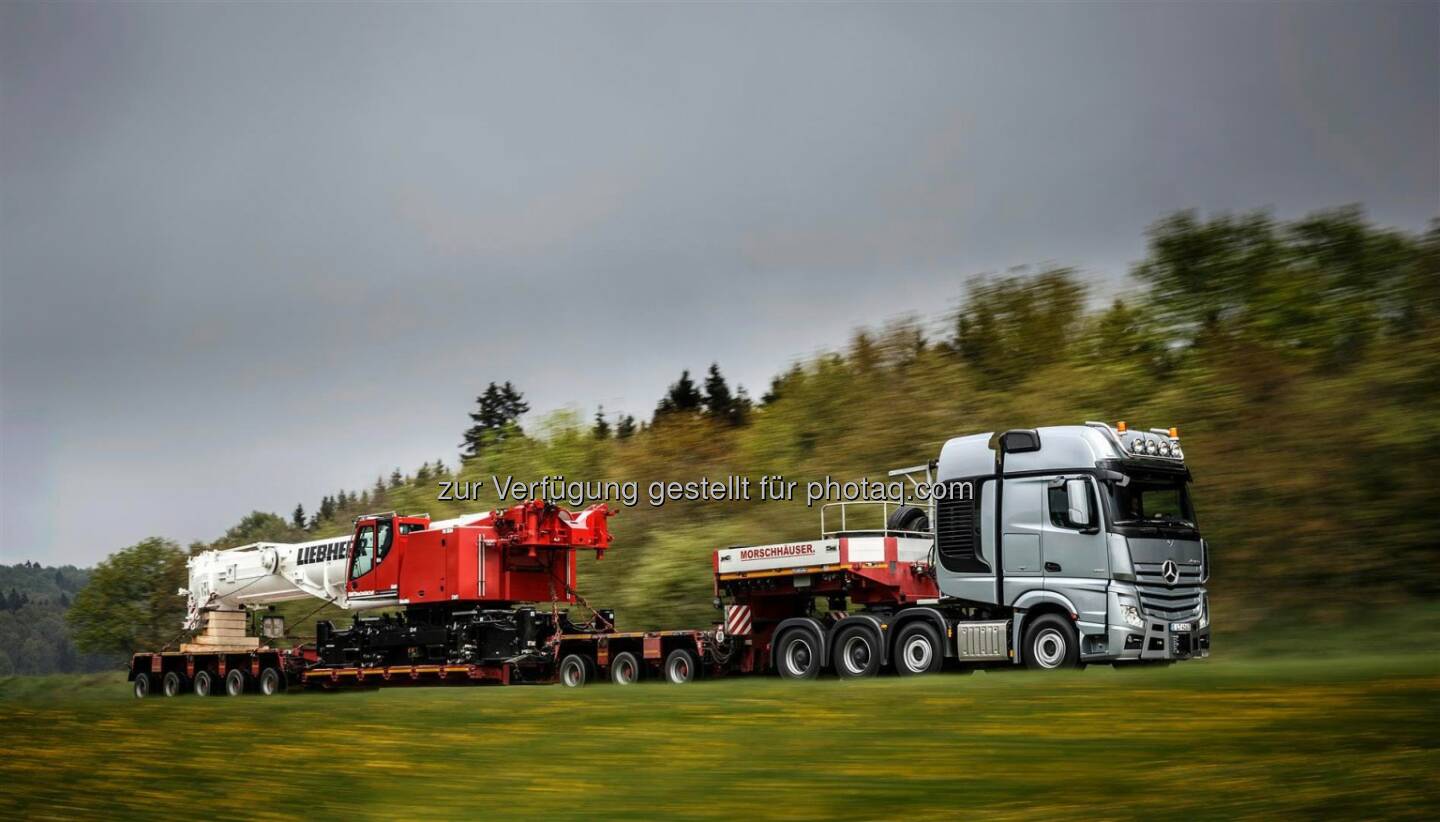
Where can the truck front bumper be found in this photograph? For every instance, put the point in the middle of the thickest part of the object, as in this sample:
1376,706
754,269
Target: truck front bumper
1159,641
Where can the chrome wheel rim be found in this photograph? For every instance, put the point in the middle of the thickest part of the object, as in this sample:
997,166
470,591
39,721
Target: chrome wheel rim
917,654
856,655
1049,648
798,657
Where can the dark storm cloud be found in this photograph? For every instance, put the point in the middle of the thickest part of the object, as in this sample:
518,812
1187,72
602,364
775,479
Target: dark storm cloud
255,253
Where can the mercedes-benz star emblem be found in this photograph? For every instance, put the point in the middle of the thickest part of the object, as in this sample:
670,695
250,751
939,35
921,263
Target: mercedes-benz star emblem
1171,572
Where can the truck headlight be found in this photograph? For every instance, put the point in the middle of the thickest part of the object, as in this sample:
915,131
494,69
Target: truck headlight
1205,613
1132,616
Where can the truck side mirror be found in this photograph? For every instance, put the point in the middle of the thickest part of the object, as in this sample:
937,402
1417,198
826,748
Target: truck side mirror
1077,495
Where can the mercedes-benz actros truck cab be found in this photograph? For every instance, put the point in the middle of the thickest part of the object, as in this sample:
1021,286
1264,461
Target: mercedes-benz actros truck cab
1091,524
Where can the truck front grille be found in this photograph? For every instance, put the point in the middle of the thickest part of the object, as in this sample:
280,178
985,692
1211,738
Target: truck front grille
1162,601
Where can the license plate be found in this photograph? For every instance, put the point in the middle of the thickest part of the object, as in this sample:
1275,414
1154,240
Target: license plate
1182,627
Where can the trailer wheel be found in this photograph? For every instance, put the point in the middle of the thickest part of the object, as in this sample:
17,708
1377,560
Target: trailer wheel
270,682
205,683
917,650
681,666
235,682
624,669
173,684
574,671
142,686
1051,643
797,654
857,653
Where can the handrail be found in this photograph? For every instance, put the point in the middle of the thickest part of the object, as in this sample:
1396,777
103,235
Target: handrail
886,507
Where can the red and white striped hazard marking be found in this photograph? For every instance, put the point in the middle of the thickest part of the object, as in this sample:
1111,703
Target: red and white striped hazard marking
737,620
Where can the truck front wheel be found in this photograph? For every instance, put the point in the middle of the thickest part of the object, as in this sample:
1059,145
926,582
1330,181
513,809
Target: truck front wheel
857,653
142,686
1051,643
917,650
797,654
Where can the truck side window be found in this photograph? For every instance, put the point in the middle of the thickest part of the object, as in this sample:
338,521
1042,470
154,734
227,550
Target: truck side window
1059,504
364,552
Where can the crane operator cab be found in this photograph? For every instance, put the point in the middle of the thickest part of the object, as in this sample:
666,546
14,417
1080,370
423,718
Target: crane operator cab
370,576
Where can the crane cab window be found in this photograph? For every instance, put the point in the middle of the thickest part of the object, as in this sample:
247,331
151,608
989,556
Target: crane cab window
364,554
384,538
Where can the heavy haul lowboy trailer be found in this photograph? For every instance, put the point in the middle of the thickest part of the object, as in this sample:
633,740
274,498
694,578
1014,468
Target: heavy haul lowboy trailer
1052,547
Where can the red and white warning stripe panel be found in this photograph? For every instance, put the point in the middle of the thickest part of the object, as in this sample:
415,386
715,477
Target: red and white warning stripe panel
737,620
777,556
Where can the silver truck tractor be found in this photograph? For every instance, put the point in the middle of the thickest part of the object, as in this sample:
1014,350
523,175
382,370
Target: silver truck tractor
1095,555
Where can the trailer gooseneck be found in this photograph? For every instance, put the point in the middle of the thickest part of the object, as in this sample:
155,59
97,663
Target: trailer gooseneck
1052,547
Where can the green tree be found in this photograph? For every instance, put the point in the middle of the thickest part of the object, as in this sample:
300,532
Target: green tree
130,602
625,427
682,398
1012,327
601,429
496,419
297,517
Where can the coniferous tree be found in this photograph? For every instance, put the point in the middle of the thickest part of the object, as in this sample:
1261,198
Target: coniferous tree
298,517
682,398
422,474
496,419
601,429
625,427
396,478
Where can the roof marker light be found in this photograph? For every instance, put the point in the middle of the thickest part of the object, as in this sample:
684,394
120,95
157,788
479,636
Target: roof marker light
1120,426
1174,433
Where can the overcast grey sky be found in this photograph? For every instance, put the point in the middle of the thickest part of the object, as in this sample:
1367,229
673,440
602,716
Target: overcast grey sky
252,254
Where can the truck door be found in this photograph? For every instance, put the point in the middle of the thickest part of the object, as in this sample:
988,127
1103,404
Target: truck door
1024,498
362,558
1075,559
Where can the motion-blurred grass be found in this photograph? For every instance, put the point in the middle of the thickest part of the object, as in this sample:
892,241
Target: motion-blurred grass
1352,736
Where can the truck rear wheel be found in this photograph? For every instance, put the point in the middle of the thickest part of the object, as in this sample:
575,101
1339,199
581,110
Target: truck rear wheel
205,683
574,672
235,682
270,682
681,666
857,653
142,686
797,654
624,669
1051,643
173,684
917,650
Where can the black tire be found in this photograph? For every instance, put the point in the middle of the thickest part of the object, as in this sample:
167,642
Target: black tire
205,684
271,682
173,684
908,518
236,682
681,667
797,654
625,669
574,671
142,686
856,653
918,650
1051,643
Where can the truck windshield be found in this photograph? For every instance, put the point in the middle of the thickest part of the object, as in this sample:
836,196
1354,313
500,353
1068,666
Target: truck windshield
1152,499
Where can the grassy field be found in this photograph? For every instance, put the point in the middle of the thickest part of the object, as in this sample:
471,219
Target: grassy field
1352,737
